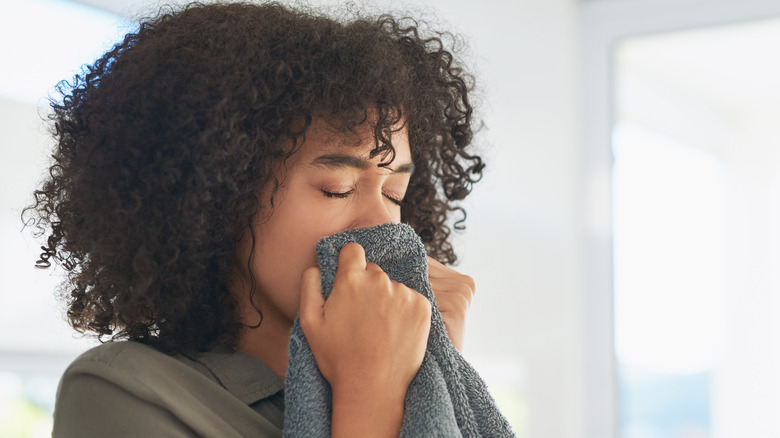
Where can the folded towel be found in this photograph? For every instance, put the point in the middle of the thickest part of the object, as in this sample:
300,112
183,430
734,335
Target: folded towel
447,398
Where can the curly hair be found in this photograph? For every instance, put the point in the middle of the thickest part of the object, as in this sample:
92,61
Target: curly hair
164,143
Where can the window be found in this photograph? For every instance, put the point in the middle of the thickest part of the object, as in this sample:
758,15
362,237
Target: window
696,164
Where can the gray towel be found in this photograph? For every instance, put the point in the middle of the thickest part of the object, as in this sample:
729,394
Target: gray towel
447,398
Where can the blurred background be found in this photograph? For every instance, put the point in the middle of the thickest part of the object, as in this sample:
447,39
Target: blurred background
625,240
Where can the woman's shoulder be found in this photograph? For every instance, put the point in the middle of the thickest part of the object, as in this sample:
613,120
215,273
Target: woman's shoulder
126,363
117,386
119,353
135,388
130,367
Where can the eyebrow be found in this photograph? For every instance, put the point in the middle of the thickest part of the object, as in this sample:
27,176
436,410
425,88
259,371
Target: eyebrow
340,160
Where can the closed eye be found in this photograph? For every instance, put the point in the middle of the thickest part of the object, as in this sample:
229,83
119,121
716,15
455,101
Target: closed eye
393,199
339,195
342,195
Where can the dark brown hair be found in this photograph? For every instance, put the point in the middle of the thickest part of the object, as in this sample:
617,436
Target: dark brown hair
165,141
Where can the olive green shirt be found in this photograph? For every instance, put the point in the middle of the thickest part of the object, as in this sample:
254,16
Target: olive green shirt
127,389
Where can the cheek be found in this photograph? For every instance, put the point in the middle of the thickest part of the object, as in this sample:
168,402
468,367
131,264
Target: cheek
285,247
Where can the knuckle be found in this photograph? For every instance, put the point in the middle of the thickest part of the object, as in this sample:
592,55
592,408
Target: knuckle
350,275
420,301
463,304
465,292
348,279
408,294
468,281
373,268
377,276
307,321
426,309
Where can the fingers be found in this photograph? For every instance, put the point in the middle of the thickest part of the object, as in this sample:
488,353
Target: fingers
446,279
352,256
453,292
353,271
370,329
312,301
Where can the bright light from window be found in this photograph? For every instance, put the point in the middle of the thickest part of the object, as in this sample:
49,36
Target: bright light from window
696,208
669,253
45,41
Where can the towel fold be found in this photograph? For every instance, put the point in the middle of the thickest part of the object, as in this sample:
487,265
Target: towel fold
447,398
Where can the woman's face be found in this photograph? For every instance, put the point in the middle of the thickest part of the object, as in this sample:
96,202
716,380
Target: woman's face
328,186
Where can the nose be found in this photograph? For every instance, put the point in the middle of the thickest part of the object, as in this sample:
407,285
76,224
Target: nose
374,211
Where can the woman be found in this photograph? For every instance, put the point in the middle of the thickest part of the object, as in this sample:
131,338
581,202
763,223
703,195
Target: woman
197,164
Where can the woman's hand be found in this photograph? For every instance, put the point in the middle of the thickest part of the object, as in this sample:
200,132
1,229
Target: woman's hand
454,292
368,339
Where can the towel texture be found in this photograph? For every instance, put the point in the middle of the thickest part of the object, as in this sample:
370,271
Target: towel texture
447,398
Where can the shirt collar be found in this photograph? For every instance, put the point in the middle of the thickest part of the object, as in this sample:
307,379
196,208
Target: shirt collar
243,375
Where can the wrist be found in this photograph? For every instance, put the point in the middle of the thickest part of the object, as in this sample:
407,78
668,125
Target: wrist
365,410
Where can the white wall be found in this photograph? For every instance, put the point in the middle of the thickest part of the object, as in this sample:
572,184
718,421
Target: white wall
524,238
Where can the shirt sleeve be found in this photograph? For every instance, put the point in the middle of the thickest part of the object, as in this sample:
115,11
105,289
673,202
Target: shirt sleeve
90,406
126,389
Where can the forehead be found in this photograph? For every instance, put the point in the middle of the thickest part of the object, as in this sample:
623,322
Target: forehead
322,138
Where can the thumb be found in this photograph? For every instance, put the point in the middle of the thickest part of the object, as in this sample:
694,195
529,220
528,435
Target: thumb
312,302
